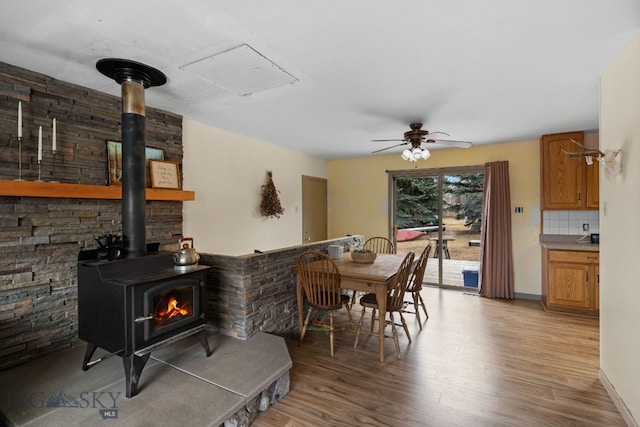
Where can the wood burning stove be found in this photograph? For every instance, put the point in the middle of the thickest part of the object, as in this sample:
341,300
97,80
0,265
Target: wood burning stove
130,307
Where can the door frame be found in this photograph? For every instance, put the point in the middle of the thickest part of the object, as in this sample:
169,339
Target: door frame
392,175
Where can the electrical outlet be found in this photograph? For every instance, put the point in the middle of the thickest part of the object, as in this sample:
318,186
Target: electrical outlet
585,227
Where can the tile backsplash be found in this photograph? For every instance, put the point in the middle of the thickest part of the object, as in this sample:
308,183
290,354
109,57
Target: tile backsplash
570,222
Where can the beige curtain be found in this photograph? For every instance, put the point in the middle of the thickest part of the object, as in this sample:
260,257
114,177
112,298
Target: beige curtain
496,256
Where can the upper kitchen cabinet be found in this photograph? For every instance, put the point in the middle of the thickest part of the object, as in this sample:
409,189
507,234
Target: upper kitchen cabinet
567,182
593,185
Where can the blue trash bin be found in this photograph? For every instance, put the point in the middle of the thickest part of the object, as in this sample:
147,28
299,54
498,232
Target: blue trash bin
470,278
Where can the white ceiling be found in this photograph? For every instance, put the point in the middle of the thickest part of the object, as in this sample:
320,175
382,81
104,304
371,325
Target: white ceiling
483,71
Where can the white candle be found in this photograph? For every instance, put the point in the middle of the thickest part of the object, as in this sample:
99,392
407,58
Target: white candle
19,119
40,144
53,138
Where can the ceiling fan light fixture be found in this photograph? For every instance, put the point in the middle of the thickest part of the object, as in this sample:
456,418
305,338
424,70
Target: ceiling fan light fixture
414,154
417,136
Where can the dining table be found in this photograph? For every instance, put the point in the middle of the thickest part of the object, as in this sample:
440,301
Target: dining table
375,277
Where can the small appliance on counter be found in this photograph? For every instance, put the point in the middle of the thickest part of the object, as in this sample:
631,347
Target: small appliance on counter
595,238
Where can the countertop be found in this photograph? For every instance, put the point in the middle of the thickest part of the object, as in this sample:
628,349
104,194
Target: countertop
568,242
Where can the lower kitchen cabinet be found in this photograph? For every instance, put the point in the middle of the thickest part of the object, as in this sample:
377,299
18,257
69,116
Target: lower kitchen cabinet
571,281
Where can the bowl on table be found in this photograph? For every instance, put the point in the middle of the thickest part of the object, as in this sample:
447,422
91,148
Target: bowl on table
363,257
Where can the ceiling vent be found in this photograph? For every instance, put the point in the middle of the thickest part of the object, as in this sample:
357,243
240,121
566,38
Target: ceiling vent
241,70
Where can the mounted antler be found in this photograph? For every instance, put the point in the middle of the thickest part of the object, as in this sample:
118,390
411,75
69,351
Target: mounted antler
609,160
586,152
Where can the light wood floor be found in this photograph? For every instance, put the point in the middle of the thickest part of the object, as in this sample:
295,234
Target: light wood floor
477,362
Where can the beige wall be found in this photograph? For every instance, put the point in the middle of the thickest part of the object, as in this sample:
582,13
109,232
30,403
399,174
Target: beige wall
358,197
226,171
620,229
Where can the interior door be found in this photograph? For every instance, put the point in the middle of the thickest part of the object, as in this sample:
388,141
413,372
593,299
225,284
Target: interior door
314,209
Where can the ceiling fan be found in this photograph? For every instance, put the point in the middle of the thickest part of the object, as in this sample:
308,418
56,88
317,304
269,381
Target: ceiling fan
416,136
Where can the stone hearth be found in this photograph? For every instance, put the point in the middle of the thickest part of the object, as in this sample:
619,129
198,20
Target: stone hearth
179,386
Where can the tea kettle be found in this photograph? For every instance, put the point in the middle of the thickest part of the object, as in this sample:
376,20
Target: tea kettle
186,256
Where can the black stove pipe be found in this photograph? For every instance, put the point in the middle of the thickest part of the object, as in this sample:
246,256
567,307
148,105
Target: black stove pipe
133,185
133,78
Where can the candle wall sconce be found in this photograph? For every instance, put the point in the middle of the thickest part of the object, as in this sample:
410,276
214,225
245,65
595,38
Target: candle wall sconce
19,178
39,158
39,171
19,141
54,147
39,154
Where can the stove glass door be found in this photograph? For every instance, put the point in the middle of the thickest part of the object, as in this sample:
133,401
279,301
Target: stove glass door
172,305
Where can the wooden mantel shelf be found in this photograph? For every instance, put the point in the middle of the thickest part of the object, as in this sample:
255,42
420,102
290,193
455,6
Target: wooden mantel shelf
80,191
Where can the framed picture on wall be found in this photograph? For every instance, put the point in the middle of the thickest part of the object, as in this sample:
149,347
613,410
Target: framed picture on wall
114,162
164,174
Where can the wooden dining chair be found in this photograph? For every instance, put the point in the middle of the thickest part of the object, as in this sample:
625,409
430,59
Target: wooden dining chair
380,245
415,286
395,303
320,280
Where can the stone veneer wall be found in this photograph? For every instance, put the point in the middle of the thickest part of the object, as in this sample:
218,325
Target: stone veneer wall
40,237
257,292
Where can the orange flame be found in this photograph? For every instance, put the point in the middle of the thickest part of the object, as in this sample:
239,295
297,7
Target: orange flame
173,309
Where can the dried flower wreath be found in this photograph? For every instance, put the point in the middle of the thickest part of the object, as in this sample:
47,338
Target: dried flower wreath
270,205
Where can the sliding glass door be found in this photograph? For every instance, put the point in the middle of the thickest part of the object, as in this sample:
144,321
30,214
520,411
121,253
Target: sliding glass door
441,207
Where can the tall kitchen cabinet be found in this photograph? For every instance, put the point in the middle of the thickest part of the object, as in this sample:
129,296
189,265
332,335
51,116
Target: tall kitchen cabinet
568,183
571,281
